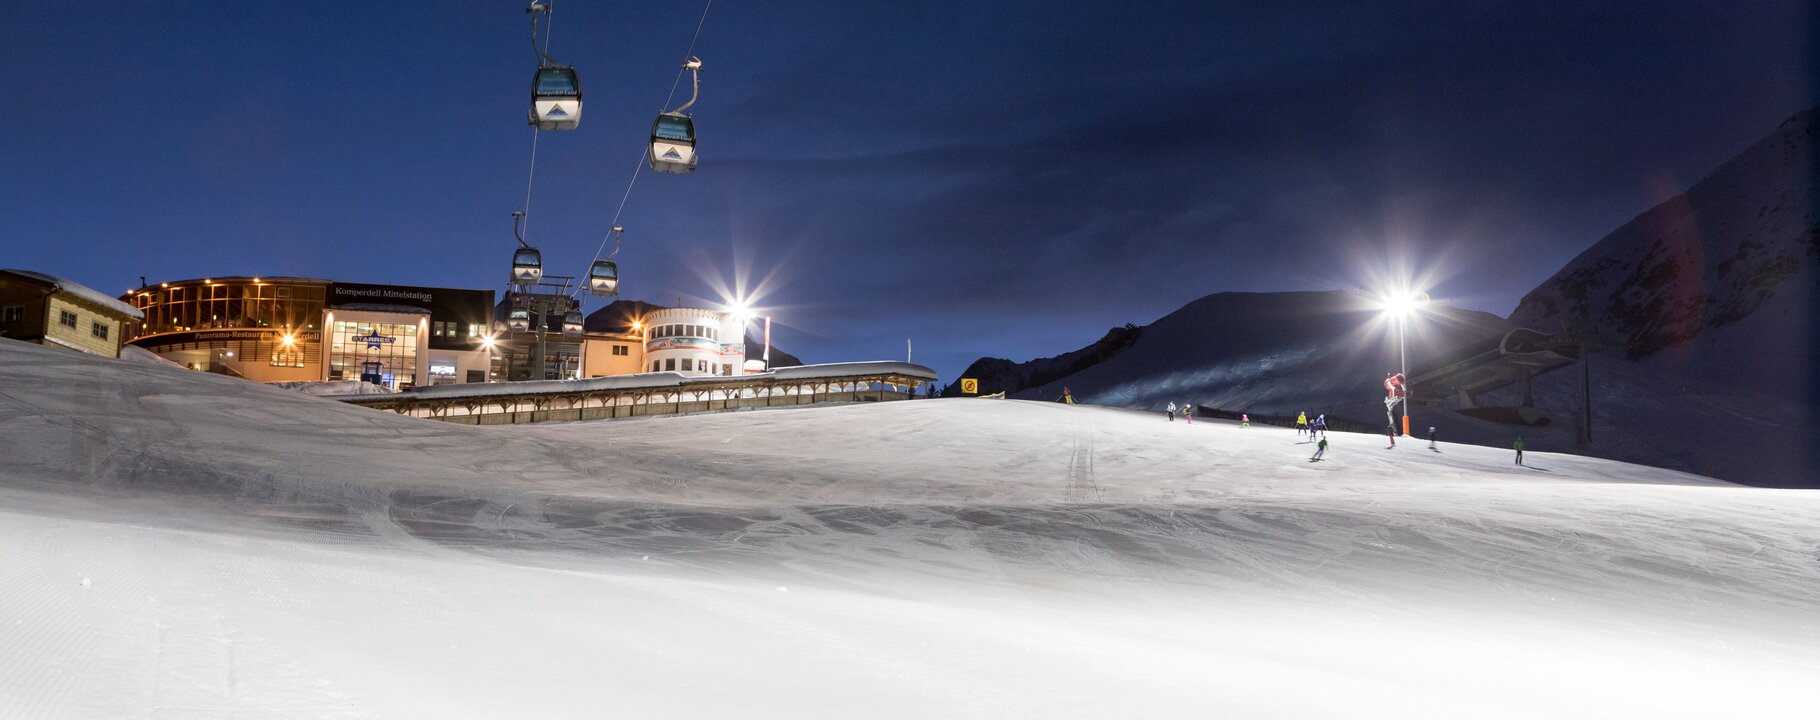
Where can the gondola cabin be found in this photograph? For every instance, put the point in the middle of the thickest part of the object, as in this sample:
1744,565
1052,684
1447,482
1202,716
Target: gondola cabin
556,98
603,278
527,266
672,144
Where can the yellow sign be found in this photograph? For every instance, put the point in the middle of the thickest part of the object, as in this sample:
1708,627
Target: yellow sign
970,386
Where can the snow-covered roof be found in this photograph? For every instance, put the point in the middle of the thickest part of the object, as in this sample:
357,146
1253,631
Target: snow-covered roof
670,380
82,291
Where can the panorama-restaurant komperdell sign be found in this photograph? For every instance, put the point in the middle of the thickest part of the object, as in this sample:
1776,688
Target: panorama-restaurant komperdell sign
266,336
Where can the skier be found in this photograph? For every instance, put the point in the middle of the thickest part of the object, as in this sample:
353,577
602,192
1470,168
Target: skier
1188,412
1320,424
1244,420
1519,447
1301,422
1067,397
1319,450
1431,437
1171,411
1393,394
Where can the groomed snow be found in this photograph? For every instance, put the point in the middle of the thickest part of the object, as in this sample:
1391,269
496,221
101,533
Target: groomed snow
186,545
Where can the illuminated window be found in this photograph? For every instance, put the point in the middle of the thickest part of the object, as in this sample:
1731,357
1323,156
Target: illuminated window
287,358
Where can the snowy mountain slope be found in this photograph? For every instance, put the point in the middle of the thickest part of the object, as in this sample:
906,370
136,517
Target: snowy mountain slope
1709,309
1705,260
996,375
188,544
1324,352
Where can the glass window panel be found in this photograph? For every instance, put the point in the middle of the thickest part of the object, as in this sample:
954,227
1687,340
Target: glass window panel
672,127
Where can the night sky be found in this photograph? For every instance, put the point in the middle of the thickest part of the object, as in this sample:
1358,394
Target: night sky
1004,179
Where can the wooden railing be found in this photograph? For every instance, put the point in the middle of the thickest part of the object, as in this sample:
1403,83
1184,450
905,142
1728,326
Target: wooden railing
649,394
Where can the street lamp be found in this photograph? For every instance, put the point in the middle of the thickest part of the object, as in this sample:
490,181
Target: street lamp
1400,306
745,314
487,343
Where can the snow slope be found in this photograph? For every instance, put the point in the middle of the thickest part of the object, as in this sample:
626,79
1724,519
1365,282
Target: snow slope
180,544
1707,307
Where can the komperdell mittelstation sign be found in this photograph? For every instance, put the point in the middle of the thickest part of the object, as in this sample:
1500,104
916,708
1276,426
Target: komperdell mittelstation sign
346,293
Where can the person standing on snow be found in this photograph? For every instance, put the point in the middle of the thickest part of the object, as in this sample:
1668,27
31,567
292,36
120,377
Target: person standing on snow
1301,422
1244,420
1320,424
1319,450
1391,430
1431,437
1519,447
1171,411
1188,412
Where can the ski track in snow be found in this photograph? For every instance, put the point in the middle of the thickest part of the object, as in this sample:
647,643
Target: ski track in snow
251,552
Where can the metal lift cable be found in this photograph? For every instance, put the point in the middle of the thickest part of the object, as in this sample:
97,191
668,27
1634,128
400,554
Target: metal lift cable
536,132
641,159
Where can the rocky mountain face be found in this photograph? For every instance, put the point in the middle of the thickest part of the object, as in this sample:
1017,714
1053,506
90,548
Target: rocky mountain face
1721,275
1706,312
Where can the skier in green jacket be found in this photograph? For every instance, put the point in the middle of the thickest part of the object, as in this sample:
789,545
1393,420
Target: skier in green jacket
1519,447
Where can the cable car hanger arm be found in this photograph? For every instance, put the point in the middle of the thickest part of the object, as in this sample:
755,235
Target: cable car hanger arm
543,54
694,68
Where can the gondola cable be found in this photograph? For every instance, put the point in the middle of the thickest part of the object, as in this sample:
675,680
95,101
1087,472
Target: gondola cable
617,230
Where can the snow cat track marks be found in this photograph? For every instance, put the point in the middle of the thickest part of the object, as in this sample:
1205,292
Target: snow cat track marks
1081,484
53,633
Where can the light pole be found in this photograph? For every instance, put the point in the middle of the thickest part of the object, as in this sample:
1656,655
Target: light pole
1403,365
487,344
644,342
1400,306
745,314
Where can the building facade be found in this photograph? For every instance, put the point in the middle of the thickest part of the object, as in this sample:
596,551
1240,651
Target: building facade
287,329
693,341
49,310
302,329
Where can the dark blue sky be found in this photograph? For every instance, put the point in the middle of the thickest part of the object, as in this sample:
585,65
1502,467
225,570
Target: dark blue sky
1007,179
